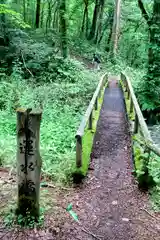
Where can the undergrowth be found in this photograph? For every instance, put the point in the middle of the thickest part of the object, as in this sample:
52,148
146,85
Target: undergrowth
63,91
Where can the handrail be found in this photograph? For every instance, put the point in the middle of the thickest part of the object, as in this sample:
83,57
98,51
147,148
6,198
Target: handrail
139,114
88,117
139,119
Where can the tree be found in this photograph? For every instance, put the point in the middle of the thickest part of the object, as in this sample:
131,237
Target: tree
115,28
63,27
38,10
94,20
100,21
85,18
152,84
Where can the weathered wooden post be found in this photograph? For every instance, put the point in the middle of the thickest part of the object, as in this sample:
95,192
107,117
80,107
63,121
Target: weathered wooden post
131,106
90,121
128,93
28,161
136,124
78,151
96,104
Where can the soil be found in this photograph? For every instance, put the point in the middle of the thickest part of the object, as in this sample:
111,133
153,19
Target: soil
108,202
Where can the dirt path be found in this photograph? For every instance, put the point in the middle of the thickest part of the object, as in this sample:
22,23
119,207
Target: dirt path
108,203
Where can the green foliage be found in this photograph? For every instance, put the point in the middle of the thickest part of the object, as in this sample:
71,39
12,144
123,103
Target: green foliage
14,17
143,174
11,219
64,96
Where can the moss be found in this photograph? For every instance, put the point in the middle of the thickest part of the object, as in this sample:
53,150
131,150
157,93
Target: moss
87,142
127,101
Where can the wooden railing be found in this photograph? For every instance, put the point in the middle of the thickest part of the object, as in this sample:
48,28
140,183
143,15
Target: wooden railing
139,122
88,119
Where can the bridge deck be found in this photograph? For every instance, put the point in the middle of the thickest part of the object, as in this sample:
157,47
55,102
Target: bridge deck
109,204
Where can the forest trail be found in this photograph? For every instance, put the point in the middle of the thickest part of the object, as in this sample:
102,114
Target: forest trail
109,204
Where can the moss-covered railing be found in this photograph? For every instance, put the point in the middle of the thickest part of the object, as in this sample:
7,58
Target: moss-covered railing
87,128
143,146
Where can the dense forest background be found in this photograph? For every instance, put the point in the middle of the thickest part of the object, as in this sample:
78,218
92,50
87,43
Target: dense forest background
46,50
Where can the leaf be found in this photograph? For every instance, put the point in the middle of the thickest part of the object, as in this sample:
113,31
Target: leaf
71,212
69,207
74,215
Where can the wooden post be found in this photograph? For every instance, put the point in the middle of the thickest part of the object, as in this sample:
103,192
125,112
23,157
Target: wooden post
28,161
90,121
125,86
131,106
136,124
100,93
79,151
96,104
128,93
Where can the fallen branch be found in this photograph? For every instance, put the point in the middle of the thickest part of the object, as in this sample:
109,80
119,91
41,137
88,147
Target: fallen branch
150,214
25,65
88,232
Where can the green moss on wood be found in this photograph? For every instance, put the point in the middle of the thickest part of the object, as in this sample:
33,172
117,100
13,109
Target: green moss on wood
87,141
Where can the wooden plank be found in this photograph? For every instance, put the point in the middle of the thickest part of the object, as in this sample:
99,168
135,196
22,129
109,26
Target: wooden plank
85,119
142,123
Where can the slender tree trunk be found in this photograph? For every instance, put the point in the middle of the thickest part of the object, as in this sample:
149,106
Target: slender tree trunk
154,50
49,16
24,10
84,27
110,24
63,28
38,11
55,19
42,16
115,29
83,21
94,21
87,21
99,27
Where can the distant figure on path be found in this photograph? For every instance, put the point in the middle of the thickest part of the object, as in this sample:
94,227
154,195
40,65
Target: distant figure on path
96,61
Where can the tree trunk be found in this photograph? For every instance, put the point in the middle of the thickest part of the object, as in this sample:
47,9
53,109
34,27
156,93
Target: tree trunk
24,10
99,27
83,21
87,21
94,21
110,31
55,19
115,29
151,86
3,30
154,49
84,27
42,16
38,10
49,16
63,28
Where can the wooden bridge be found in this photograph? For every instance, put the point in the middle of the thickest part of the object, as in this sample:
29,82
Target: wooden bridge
137,127
114,208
